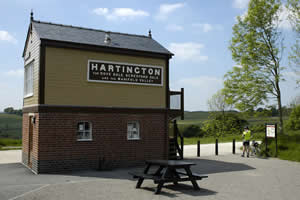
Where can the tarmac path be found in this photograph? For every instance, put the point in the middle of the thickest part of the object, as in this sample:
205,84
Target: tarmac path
230,177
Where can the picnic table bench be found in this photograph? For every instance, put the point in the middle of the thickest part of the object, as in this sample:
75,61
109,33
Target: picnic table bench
169,171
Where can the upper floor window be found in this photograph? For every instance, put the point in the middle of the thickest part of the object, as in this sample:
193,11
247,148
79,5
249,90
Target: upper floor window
84,131
28,80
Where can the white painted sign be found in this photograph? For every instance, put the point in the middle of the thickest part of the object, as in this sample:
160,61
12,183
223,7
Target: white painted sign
271,129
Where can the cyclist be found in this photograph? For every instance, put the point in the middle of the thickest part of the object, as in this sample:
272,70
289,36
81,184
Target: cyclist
246,141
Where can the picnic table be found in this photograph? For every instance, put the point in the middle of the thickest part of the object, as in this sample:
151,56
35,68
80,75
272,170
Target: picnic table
169,171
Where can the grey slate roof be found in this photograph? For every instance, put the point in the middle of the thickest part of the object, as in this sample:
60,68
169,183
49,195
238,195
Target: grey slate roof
87,36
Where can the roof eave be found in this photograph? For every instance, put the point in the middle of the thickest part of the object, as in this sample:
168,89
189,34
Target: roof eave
76,45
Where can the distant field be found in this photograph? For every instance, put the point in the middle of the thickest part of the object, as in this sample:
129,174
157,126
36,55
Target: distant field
10,126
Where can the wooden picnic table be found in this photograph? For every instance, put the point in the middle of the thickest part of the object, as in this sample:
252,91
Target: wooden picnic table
169,171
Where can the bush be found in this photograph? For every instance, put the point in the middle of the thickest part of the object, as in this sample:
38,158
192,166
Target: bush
293,122
258,128
193,131
222,125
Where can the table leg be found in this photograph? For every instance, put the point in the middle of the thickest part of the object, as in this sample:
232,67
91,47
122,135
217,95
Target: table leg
139,183
159,186
174,174
158,171
147,168
194,182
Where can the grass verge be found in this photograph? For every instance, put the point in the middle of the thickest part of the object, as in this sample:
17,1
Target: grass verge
8,142
288,146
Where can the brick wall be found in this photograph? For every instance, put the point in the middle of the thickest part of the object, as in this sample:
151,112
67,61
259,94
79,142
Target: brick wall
59,150
33,155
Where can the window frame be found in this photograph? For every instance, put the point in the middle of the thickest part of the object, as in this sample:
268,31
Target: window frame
139,130
91,131
28,81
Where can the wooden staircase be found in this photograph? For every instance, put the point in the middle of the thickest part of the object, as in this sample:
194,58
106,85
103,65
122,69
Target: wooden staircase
175,150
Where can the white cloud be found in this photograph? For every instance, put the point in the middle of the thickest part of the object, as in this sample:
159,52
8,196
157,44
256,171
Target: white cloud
120,13
284,23
5,36
101,11
240,4
207,27
15,73
166,9
188,51
174,27
197,90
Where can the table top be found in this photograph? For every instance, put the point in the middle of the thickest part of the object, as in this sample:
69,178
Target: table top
173,163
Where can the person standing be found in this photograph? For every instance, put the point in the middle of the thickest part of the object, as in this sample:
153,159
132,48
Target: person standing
246,141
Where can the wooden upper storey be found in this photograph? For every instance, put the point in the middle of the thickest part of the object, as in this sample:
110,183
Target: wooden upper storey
60,68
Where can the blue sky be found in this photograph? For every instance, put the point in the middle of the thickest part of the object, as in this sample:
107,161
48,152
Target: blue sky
196,31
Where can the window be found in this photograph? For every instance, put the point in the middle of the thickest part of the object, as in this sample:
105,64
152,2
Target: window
84,131
133,131
28,80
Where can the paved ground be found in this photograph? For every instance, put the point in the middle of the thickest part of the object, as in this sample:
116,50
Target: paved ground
14,156
11,156
230,177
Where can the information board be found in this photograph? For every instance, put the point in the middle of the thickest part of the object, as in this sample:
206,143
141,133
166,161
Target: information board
271,130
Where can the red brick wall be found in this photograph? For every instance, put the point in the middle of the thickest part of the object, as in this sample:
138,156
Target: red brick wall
58,148
25,139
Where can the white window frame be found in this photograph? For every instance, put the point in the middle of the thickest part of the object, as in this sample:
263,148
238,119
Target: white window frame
138,129
28,80
84,131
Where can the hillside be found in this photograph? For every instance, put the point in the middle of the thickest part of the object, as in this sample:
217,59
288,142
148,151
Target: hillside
10,126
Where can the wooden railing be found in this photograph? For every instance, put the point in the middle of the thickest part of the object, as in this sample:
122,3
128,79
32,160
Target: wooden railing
177,136
176,99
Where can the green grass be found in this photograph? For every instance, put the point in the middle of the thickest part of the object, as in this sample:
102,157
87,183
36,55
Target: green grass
10,126
288,146
7,142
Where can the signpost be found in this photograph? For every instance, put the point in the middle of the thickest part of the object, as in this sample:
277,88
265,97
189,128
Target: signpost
271,132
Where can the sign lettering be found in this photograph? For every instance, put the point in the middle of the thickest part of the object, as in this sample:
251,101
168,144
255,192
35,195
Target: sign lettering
124,73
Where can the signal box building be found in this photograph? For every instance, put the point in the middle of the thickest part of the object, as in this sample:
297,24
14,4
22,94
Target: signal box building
94,99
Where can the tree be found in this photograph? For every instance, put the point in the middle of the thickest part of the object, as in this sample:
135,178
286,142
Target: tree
257,47
294,16
294,119
9,110
217,104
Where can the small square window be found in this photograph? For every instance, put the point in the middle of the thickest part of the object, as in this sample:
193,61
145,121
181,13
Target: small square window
133,130
84,131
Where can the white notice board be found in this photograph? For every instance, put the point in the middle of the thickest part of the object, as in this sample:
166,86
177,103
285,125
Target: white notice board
271,129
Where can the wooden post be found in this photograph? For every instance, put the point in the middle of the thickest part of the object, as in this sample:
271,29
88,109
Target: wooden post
175,130
182,103
181,144
217,147
198,148
233,146
276,140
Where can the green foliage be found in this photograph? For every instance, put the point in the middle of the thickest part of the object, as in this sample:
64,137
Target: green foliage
11,110
294,119
222,125
193,131
10,126
10,142
256,46
288,146
294,16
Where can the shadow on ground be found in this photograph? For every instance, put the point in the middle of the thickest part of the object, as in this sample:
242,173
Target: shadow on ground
206,166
